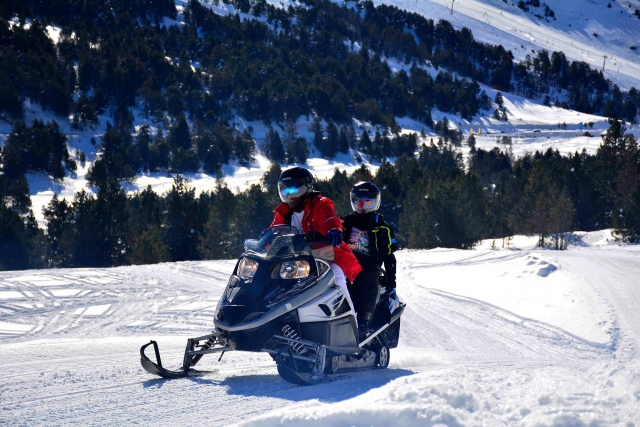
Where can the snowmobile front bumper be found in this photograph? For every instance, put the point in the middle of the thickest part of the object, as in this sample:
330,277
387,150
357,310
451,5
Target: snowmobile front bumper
196,348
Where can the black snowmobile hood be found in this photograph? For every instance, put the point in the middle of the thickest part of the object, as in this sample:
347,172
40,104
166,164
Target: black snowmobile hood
234,316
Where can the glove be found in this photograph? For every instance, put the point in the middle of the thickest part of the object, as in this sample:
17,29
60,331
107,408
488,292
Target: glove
334,237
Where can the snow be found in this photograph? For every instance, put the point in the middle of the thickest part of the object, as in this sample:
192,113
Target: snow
14,328
492,336
4,295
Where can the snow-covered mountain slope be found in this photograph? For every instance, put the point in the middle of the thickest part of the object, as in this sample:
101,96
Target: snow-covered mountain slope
616,30
491,337
532,126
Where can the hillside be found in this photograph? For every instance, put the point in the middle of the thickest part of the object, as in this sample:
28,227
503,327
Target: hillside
490,21
571,30
437,105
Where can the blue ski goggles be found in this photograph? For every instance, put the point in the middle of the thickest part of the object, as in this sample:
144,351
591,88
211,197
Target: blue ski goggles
288,193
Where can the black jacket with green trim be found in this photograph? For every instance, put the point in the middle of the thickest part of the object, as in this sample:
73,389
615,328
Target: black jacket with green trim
382,243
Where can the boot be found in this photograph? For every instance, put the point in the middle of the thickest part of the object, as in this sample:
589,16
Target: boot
363,330
363,327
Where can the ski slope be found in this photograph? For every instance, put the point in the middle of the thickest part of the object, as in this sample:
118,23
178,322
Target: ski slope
517,336
572,32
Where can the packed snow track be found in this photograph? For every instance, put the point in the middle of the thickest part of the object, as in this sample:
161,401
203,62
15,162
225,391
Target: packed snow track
490,336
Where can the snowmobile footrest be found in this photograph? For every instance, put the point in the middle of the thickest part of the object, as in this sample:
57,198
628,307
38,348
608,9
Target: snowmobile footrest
394,316
157,369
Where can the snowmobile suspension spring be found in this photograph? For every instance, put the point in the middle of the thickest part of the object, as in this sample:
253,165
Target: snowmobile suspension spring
290,333
208,344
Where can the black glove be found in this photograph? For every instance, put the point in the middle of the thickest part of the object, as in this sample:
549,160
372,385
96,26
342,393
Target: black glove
334,237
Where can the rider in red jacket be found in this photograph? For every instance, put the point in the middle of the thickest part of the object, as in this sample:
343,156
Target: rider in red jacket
308,211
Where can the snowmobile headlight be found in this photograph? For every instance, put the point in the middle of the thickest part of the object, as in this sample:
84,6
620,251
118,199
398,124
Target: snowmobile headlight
294,269
247,268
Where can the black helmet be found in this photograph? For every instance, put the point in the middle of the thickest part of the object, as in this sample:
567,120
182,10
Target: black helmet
365,197
294,182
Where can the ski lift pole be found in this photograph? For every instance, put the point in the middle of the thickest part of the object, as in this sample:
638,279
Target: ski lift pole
452,1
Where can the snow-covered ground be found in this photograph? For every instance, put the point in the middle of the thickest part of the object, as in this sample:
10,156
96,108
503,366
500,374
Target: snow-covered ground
518,337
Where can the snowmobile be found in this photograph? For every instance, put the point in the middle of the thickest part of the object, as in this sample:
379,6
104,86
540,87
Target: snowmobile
281,299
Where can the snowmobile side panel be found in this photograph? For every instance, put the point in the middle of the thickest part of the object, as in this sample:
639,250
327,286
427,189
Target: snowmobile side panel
338,335
323,308
256,338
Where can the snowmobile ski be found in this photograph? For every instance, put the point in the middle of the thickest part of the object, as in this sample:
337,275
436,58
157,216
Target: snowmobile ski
157,368
196,348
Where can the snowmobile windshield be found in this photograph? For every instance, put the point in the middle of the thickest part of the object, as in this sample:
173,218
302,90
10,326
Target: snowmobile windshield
284,240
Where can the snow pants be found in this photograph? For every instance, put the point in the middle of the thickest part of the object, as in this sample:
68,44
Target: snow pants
341,282
365,288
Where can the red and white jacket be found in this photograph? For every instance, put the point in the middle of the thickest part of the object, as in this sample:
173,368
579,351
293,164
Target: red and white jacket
320,215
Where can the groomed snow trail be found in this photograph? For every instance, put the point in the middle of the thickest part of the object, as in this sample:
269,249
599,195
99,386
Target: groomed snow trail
493,337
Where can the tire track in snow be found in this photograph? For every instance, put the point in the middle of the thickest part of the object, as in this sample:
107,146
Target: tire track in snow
472,327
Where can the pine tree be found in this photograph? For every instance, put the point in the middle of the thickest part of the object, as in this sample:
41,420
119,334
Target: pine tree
343,140
616,167
377,149
561,216
352,136
471,142
84,113
84,232
628,229
332,141
179,134
209,153
260,204
184,160
111,219
160,153
118,159
291,141
58,215
272,176
38,148
365,143
220,237
20,240
318,136
14,188
300,150
274,148
245,148
148,246
182,221
143,146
